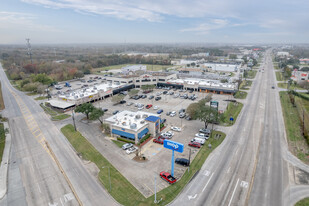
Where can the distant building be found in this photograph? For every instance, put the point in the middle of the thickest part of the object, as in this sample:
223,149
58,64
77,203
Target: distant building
283,54
133,69
221,67
304,61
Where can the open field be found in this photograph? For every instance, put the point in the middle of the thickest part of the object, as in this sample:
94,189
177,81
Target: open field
245,84
2,140
285,86
279,76
297,143
240,95
122,190
251,74
150,67
233,110
2,106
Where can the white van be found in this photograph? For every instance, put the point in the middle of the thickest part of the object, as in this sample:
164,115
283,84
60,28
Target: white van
199,140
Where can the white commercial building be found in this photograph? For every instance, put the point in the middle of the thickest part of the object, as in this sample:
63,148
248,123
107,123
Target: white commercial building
134,125
221,67
133,68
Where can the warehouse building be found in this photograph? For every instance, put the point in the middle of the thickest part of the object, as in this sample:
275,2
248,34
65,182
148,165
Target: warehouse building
134,125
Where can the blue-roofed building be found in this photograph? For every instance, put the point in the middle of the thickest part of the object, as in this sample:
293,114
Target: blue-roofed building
134,125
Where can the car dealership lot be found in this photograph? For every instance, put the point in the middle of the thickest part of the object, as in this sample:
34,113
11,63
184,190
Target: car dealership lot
141,175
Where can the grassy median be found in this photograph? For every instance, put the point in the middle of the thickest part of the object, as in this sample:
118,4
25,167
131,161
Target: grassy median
232,110
240,95
122,190
2,140
279,76
1,99
303,202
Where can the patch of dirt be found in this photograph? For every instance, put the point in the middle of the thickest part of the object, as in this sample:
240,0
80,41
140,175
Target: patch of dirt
301,176
140,159
91,167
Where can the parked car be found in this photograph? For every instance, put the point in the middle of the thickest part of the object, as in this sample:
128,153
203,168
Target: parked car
148,106
163,121
168,177
195,144
273,87
182,161
177,129
188,118
173,113
104,110
131,150
140,108
205,131
127,146
191,91
115,112
122,102
151,97
159,111
202,135
144,96
129,103
155,107
165,92
159,140
157,98
182,111
182,115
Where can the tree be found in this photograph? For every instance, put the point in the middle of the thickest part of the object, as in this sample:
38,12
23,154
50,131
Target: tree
117,98
133,92
96,113
232,56
207,114
85,108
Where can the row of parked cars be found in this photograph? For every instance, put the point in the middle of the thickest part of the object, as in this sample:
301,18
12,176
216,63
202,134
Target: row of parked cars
200,138
129,148
144,96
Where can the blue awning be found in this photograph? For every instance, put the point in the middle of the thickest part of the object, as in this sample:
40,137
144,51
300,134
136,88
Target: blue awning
124,134
142,133
152,118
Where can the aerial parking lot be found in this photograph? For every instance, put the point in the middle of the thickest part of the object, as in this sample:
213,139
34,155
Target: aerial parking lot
158,158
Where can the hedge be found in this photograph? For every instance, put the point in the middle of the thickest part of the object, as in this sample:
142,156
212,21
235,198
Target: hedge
125,140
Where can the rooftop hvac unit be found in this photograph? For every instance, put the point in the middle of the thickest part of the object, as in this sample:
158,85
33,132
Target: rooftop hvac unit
131,115
76,97
124,123
133,126
138,116
125,118
145,115
92,90
142,122
81,95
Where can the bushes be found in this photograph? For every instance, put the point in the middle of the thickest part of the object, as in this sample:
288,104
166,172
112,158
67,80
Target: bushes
161,125
125,140
144,138
106,128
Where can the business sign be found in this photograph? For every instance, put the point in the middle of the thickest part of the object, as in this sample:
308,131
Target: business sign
214,104
168,144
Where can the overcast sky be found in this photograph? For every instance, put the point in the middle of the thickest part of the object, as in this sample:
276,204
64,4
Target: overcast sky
154,21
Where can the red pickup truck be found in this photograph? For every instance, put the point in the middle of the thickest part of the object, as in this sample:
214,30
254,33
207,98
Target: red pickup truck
159,141
168,177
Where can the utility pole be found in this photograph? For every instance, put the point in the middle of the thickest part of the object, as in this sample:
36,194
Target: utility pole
29,52
73,117
155,200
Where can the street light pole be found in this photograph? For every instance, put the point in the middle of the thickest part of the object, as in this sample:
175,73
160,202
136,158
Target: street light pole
73,117
155,200
110,185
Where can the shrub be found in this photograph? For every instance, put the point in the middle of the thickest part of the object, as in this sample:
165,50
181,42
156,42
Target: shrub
125,140
106,128
144,138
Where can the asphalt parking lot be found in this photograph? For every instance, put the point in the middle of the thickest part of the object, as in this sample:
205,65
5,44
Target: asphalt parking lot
141,175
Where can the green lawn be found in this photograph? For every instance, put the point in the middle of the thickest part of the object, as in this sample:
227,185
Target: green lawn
122,190
245,84
2,106
303,202
118,143
251,74
233,110
41,98
150,67
240,95
285,85
2,140
279,76
60,117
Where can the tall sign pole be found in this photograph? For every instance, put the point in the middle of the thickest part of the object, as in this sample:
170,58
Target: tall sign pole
174,146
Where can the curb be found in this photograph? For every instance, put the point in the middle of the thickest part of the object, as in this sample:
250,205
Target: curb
5,163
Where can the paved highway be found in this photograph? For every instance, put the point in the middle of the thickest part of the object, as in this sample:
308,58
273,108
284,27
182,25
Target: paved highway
248,167
38,175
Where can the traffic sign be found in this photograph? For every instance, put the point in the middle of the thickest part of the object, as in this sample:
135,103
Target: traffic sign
231,119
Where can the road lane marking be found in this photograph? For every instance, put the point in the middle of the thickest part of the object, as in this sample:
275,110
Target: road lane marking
244,184
269,155
221,186
268,169
233,192
207,182
39,188
207,173
236,151
192,197
228,170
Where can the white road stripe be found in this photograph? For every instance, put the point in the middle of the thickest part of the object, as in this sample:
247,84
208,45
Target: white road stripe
207,182
233,192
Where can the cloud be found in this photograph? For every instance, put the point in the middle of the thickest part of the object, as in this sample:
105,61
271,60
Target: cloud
22,21
204,28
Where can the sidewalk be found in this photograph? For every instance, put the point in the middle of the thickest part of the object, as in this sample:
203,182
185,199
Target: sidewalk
4,163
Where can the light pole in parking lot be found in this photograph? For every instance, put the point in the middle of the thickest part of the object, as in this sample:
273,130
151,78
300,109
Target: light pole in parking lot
73,117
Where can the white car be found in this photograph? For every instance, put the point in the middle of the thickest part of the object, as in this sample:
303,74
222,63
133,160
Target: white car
141,108
173,113
201,135
127,146
177,129
155,107
170,132
131,150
